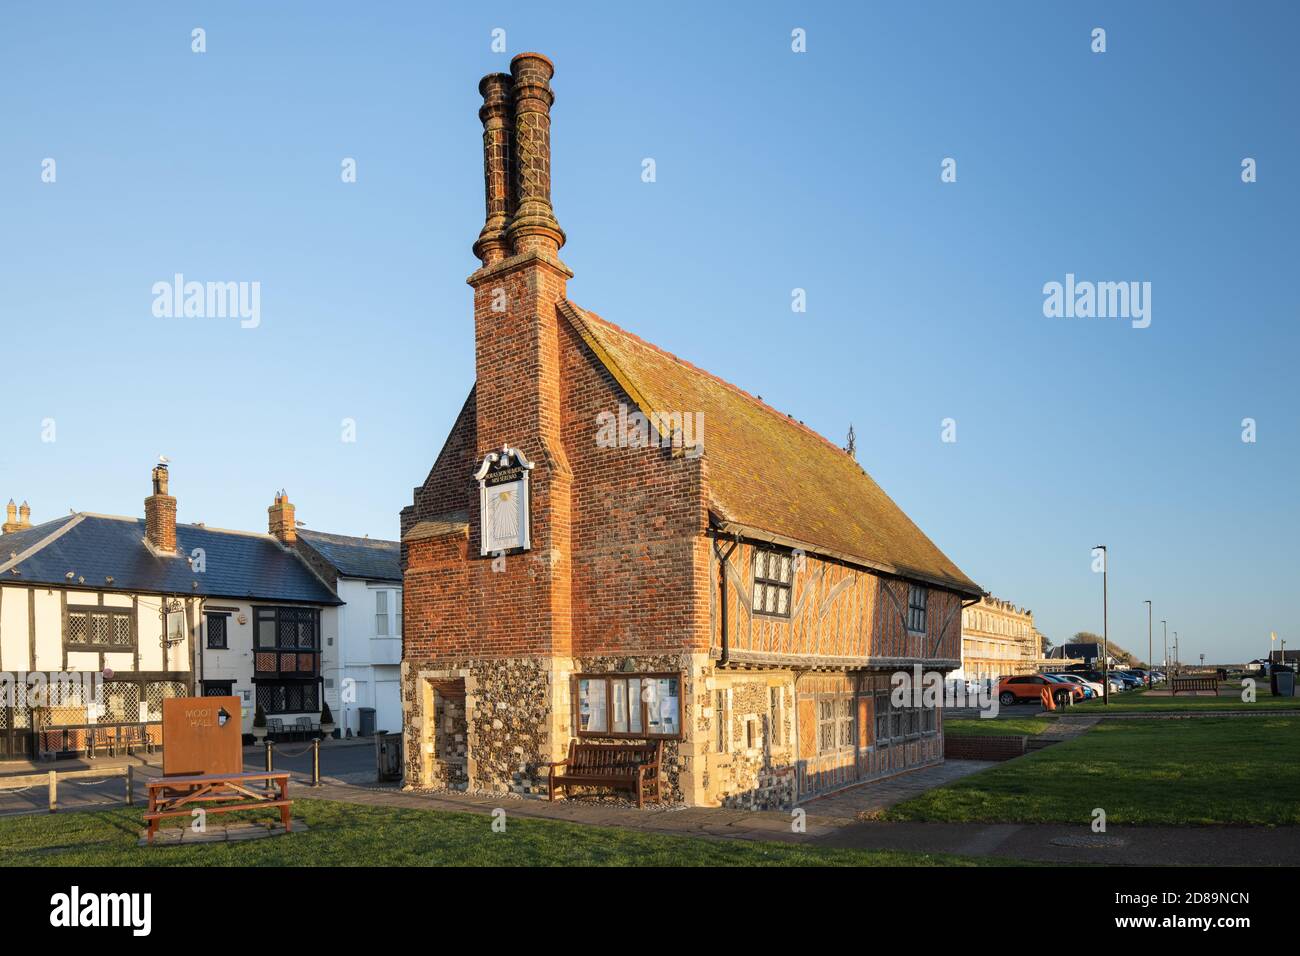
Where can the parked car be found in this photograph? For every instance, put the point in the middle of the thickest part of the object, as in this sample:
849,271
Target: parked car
1026,688
1116,685
1092,688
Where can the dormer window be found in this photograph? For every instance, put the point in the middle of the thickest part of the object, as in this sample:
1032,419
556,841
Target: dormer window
773,576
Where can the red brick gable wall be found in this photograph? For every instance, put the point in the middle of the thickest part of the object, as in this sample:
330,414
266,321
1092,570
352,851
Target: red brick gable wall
640,565
448,487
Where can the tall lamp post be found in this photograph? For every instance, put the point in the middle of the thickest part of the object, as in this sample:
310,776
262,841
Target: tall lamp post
1175,652
1149,646
1164,658
1105,625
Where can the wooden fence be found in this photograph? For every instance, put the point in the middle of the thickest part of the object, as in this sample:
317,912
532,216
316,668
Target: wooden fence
51,780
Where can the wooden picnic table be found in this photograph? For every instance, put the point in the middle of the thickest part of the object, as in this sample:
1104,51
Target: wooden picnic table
177,796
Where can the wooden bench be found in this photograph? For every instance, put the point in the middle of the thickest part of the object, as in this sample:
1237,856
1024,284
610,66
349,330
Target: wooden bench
631,767
177,796
1194,684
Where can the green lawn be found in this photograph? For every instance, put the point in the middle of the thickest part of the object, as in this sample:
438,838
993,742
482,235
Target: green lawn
1138,701
344,834
996,727
1197,771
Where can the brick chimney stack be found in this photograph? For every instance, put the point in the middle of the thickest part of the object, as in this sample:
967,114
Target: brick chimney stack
280,520
11,519
25,515
160,513
517,336
498,116
533,225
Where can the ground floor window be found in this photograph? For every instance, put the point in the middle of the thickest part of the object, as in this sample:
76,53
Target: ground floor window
895,724
218,688
288,698
626,705
835,723
776,715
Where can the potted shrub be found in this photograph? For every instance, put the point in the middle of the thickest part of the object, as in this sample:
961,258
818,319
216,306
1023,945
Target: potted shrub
326,721
259,724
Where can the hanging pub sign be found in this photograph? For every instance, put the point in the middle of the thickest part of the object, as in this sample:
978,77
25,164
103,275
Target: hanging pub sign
503,501
174,627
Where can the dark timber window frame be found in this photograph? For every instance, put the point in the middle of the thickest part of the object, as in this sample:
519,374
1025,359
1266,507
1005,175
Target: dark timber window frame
109,611
223,618
644,719
219,688
773,582
294,640
918,600
896,725
281,696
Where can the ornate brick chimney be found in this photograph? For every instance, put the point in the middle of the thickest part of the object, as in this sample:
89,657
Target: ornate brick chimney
25,515
280,520
533,225
160,513
11,519
498,116
517,293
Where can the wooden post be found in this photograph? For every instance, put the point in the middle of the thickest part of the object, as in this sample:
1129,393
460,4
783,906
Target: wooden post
130,785
54,791
315,762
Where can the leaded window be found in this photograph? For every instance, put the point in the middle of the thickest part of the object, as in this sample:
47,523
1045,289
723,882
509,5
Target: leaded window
217,637
917,599
773,578
96,626
286,641
289,698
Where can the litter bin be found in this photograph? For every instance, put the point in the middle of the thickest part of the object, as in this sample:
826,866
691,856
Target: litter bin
1281,681
367,717
388,756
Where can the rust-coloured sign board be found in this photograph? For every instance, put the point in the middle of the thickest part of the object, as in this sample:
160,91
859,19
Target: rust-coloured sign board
201,735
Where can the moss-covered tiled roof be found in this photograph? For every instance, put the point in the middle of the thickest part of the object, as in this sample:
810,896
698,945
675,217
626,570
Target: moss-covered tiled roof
767,471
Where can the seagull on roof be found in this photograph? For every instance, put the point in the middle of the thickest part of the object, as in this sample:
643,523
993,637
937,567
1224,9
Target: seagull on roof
163,460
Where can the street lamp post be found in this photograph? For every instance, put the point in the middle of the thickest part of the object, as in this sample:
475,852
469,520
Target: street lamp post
1149,647
1105,625
1175,652
1164,658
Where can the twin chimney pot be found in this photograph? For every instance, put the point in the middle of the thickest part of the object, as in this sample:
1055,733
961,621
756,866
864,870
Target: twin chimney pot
516,115
16,518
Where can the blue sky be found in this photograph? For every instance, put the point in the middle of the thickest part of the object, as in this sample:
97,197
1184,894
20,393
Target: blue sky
775,170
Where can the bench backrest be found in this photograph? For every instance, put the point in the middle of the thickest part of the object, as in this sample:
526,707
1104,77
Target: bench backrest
616,759
1196,683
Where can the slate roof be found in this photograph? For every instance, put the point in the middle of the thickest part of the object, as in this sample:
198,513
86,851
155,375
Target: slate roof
239,564
368,558
766,471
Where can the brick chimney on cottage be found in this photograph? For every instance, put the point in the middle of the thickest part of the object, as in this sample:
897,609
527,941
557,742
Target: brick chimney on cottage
517,293
280,520
160,513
